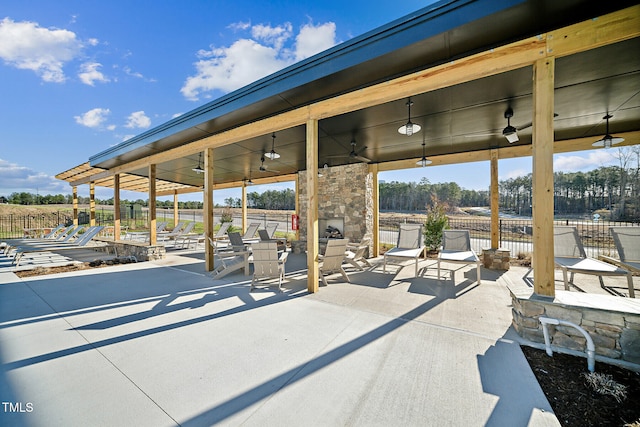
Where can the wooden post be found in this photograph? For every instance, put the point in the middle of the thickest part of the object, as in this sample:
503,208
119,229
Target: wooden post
116,207
542,181
373,169
312,205
92,204
153,238
75,205
244,206
495,201
297,212
176,211
208,208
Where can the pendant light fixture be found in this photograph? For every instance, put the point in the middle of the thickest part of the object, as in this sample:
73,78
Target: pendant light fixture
607,141
272,155
409,128
423,162
199,169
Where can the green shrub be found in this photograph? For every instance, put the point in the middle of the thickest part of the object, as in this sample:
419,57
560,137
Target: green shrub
435,223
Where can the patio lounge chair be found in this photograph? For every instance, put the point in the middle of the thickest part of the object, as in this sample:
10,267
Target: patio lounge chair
64,237
410,245
229,261
176,234
249,234
265,237
58,232
627,241
331,261
82,241
267,264
456,248
271,229
570,256
356,254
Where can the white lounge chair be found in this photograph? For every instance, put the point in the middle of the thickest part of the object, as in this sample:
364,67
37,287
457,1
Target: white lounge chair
331,261
570,256
456,248
82,241
627,241
267,262
265,237
229,261
410,246
271,229
250,233
356,254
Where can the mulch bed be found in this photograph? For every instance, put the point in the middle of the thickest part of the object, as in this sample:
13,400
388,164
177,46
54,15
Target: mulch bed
574,402
40,271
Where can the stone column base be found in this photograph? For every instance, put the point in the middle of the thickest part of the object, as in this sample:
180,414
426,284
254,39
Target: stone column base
496,259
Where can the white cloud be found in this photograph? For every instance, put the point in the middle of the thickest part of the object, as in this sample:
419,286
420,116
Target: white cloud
273,36
138,120
16,178
587,161
89,73
315,39
26,45
514,173
239,26
247,60
93,118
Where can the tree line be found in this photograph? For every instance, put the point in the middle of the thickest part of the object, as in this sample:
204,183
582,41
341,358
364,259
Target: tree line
612,190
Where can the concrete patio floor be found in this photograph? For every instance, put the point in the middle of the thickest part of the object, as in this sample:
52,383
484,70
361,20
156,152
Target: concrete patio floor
161,343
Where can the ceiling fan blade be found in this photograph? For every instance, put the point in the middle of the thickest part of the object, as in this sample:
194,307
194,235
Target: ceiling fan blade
480,135
362,159
524,126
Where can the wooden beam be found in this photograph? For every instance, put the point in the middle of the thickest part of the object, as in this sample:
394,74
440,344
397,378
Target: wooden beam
208,209
542,178
153,237
312,206
604,30
495,204
297,208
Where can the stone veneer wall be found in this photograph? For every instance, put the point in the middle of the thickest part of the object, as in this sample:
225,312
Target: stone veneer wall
615,333
141,251
343,192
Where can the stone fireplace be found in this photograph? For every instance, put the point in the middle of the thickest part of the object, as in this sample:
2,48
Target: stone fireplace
345,201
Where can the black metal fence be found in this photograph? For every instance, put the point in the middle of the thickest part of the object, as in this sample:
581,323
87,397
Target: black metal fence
514,234
517,234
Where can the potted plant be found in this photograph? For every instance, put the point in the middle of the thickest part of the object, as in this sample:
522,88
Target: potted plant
434,225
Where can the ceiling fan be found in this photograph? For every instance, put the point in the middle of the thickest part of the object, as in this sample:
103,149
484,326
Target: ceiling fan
355,155
510,132
263,168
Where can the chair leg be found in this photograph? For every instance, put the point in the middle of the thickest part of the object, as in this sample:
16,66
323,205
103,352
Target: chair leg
324,281
479,280
632,292
344,274
438,269
416,275
566,280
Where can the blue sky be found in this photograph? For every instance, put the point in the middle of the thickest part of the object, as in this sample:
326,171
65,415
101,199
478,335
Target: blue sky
77,77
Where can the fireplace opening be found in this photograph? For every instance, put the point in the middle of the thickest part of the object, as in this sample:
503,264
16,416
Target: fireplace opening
331,228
